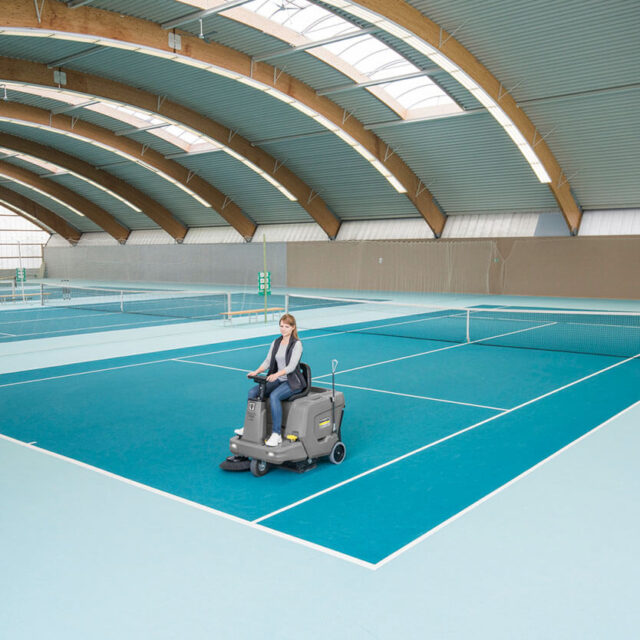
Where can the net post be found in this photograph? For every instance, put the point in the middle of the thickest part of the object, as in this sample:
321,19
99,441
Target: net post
286,303
122,301
229,302
41,295
468,325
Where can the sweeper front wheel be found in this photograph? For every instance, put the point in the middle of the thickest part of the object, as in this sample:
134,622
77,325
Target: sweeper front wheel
259,467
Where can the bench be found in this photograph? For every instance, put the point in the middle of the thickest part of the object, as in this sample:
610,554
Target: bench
229,315
19,296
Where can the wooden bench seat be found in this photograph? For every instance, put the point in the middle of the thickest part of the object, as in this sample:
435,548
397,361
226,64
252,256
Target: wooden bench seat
229,315
19,296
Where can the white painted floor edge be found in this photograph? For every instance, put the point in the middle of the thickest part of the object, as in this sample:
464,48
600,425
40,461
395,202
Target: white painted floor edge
553,556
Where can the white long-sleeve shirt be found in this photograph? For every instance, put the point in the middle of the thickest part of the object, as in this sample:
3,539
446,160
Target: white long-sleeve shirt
281,354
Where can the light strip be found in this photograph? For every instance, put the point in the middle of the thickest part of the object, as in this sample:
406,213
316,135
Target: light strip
43,193
218,71
112,104
458,74
126,156
64,171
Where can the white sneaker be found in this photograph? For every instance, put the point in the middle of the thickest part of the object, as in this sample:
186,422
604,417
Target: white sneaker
239,432
274,440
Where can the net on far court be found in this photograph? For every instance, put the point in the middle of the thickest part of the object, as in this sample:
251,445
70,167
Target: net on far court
203,305
594,332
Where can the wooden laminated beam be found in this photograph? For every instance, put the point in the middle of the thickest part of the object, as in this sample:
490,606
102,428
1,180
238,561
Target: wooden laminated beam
23,205
91,210
33,73
134,150
98,23
432,33
149,206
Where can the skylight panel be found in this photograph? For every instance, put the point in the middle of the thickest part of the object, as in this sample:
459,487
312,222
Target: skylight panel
365,54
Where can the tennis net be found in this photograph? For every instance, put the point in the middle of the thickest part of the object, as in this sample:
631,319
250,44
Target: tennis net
203,305
594,332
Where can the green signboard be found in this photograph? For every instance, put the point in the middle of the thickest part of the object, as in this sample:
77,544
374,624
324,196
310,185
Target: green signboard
21,275
264,282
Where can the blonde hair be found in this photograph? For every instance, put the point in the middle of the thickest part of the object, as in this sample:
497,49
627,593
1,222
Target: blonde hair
287,318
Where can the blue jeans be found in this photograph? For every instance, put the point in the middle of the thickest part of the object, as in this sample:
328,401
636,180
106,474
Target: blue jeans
277,392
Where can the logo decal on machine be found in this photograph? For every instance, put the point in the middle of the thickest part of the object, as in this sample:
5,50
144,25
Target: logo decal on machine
324,422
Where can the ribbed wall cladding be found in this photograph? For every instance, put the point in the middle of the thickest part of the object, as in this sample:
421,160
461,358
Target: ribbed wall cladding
402,229
57,241
150,236
289,233
500,225
610,223
213,235
97,239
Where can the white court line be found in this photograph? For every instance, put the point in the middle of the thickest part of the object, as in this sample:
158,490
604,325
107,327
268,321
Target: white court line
429,533
71,317
123,366
195,505
208,364
393,393
210,353
410,395
441,440
9,335
452,346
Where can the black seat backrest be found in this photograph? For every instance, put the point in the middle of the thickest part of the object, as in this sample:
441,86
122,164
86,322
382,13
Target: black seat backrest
305,372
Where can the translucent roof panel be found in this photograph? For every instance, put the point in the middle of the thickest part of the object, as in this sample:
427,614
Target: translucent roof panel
371,58
177,135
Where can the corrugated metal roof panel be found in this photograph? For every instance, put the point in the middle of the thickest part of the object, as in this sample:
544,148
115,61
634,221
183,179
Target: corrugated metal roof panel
120,211
96,156
250,112
253,194
154,10
185,208
182,205
595,140
470,165
79,222
33,100
543,48
41,49
350,186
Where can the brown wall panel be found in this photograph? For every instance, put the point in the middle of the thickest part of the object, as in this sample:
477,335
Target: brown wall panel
602,267
456,266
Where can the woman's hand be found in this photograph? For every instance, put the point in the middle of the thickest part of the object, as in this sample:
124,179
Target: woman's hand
251,374
273,377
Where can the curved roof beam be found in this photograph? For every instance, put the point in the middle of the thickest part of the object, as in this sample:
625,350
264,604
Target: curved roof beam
67,198
134,152
46,219
97,27
39,74
106,181
430,39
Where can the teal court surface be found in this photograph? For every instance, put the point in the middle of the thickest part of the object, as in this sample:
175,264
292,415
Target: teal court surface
432,426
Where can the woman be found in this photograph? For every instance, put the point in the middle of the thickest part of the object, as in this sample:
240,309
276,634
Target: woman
284,378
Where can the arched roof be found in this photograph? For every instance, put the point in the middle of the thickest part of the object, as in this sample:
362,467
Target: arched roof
249,125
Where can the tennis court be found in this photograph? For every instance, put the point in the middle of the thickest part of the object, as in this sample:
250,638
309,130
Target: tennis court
443,408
